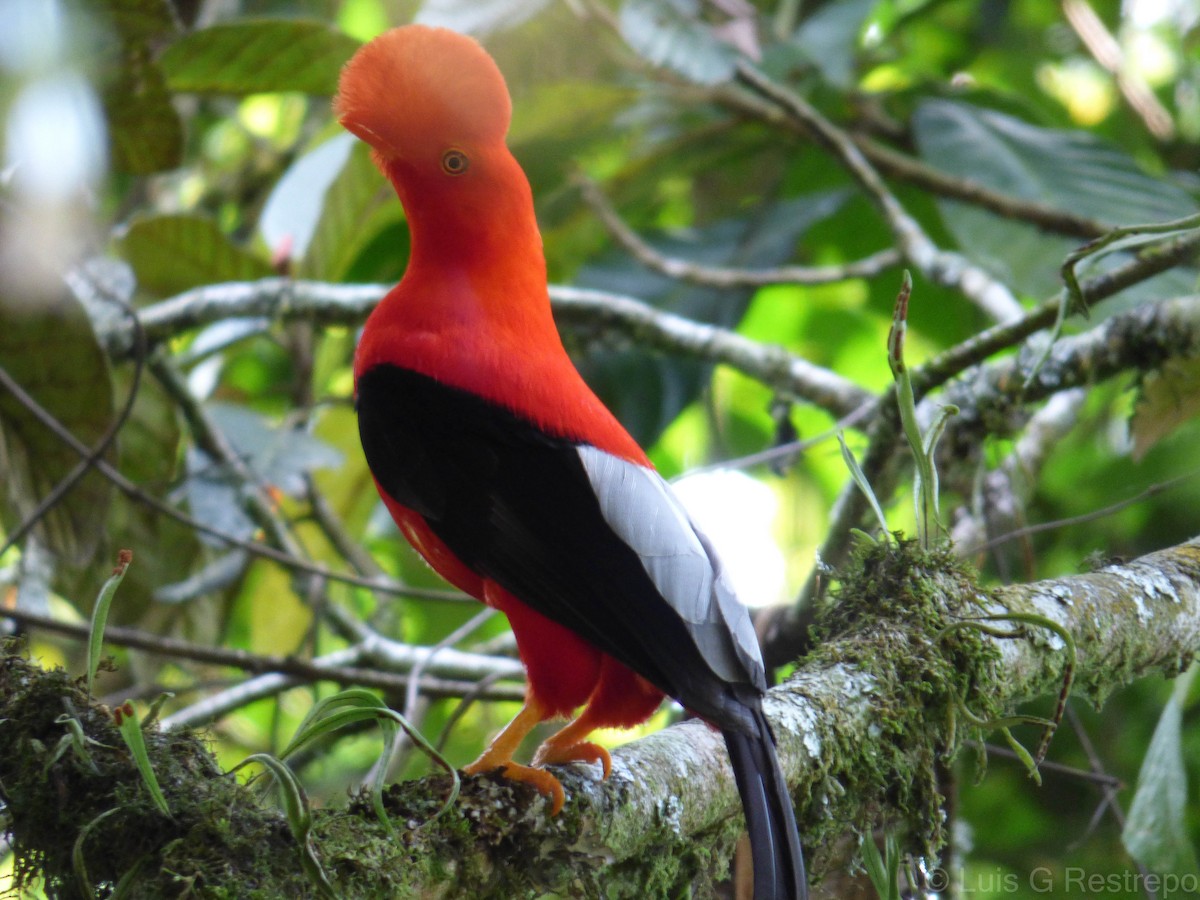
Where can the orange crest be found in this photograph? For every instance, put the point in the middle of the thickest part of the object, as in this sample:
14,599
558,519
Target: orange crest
415,91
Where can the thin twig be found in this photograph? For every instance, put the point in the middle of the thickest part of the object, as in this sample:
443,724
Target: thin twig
301,670
939,266
1110,800
331,526
1107,52
101,447
791,448
133,491
782,371
1100,779
723,276
1082,519
467,628
480,693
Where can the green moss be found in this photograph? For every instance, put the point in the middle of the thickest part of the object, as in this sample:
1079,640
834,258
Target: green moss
51,800
888,619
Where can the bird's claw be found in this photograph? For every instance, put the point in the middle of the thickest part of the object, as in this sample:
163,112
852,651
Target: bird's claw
582,751
546,783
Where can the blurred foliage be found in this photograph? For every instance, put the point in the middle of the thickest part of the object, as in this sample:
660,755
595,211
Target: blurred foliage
222,163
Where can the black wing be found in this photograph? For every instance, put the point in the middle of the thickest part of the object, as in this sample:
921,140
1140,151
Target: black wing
593,542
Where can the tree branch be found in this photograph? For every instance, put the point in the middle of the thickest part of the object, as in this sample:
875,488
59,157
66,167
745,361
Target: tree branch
859,730
282,300
134,492
938,265
773,366
896,164
451,675
884,421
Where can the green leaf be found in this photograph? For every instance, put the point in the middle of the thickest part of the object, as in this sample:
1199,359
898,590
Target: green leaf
1018,749
100,615
1071,170
131,731
145,132
883,869
357,206
174,253
357,705
670,34
75,739
1156,831
860,479
829,39
138,21
251,57
647,391
299,816
73,384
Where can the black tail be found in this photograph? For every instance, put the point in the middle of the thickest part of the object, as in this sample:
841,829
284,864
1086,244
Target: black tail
770,819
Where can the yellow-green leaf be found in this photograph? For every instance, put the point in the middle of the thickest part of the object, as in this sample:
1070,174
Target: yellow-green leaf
170,254
48,347
252,57
145,133
1169,397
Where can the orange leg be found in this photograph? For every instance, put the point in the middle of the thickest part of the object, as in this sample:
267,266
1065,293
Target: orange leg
621,699
568,745
500,752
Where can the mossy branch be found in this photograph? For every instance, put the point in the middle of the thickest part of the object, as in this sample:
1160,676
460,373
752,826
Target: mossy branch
863,725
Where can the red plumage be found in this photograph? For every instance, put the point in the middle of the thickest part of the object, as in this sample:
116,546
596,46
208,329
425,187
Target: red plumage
508,474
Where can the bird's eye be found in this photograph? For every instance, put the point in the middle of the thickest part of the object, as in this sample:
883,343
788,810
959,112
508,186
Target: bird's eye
455,162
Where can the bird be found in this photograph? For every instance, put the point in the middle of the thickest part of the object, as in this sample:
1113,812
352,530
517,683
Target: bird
508,474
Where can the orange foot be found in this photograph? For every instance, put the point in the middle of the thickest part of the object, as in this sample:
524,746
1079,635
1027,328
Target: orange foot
554,752
500,752
546,783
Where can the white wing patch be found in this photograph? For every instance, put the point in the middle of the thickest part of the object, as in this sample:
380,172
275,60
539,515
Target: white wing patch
641,509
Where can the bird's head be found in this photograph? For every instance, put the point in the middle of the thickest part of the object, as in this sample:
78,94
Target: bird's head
425,98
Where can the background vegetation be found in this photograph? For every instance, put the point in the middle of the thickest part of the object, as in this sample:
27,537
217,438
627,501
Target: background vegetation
170,158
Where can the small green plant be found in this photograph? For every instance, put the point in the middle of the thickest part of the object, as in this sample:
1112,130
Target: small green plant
100,614
860,479
1049,726
78,862
131,731
76,740
925,481
356,705
299,817
883,870
327,716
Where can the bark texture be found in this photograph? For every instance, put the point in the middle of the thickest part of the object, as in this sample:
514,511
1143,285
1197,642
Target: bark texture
910,646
